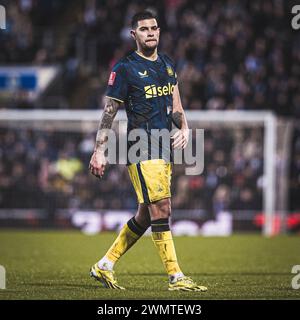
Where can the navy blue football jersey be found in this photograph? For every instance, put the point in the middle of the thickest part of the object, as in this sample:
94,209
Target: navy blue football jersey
146,89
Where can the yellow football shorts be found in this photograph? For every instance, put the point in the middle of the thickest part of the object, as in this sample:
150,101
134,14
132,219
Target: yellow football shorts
151,180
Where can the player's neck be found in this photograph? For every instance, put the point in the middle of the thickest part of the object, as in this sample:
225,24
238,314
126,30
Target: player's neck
148,55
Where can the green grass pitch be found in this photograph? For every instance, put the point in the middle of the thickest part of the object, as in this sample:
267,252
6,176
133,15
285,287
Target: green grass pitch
55,265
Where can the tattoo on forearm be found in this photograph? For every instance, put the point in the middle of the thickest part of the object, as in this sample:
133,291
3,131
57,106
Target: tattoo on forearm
109,113
177,119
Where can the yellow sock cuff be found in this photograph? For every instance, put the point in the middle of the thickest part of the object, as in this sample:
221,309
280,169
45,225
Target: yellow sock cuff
130,232
162,236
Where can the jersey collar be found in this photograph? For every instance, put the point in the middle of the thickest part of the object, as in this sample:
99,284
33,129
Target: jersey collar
145,58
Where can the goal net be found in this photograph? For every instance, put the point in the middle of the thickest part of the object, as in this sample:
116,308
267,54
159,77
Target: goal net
243,185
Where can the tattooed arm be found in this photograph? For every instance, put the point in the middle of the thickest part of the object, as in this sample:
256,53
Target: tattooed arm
179,119
98,161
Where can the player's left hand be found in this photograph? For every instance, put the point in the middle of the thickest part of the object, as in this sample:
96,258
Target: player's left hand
180,139
97,164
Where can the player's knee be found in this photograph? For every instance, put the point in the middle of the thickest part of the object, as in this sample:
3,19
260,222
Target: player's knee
143,221
142,217
163,209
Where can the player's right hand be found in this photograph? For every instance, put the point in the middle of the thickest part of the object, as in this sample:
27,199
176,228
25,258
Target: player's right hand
97,164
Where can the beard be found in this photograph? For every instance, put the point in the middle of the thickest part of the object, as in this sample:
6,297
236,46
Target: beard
150,46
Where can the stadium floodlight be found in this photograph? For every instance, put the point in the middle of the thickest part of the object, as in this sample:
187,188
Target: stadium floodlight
87,121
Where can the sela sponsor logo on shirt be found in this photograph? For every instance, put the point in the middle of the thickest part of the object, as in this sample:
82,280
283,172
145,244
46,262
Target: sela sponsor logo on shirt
153,91
143,74
112,78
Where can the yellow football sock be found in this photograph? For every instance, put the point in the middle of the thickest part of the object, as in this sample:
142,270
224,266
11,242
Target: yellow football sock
125,240
165,246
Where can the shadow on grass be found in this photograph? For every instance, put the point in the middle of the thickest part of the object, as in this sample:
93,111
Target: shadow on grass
61,285
211,274
64,286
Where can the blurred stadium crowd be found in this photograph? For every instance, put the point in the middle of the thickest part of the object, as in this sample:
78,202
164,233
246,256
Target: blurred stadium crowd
46,169
230,55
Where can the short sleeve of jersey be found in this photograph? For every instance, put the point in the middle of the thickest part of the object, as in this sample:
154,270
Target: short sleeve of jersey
117,87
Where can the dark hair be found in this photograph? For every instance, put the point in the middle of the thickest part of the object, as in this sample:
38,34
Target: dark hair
142,16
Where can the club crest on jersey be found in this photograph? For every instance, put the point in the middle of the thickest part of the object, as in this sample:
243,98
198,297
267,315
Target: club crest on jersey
112,78
143,74
170,71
